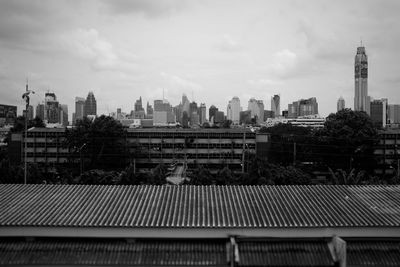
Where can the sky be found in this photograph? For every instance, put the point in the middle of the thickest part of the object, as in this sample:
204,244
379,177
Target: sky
209,50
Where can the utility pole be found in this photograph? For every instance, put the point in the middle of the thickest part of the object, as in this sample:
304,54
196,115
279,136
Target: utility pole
25,96
294,153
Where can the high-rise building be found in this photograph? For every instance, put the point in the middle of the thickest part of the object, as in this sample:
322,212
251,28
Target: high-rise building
51,108
138,105
185,104
149,110
276,105
40,111
8,114
245,117
233,110
394,114
30,112
256,108
379,112
79,108
202,113
219,117
64,115
303,107
162,113
340,104
193,112
211,113
90,105
361,102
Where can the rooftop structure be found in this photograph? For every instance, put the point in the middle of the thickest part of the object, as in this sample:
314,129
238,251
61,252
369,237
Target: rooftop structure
199,225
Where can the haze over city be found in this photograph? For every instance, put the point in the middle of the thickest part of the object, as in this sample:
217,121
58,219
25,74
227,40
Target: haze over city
209,50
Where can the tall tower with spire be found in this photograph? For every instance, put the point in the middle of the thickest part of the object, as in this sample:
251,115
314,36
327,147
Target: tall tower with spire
361,99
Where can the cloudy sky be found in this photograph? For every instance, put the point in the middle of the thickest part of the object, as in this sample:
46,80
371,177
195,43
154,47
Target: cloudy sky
210,50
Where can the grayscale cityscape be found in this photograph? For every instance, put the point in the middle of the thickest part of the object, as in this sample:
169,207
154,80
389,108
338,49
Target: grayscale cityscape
199,133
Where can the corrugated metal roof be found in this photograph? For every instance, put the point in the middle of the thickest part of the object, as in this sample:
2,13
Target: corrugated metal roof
285,253
199,206
373,253
114,252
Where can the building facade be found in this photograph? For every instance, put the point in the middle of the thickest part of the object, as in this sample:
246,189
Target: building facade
79,108
90,105
340,104
233,110
361,102
378,112
303,107
276,105
256,108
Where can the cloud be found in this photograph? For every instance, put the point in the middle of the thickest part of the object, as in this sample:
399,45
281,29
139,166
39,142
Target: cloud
228,44
284,63
264,82
28,25
149,8
88,44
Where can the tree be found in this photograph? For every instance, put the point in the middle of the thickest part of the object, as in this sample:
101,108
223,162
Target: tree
285,139
19,125
347,141
101,141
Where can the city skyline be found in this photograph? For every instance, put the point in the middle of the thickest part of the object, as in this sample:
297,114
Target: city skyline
209,51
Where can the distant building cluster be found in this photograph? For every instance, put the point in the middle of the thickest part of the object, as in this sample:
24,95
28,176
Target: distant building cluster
382,113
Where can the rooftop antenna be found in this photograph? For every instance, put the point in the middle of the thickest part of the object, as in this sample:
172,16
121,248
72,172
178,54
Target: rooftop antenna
192,96
163,94
361,41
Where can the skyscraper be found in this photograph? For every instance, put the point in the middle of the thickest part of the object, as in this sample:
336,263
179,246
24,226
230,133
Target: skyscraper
64,115
202,113
233,110
379,112
40,111
138,105
51,108
90,105
256,108
361,81
276,105
211,113
340,104
303,107
79,108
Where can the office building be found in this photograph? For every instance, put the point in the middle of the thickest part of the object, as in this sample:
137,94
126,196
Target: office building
202,113
340,104
138,105
90,105
52,108
214,148
393,114
40,111
211,113
379,112
361,102
149,110
256,108
79,108
303,107
245,117
219,117
64,115
185,104
193,112
30,112
162,114
276,105
8,114
269,114
233,110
